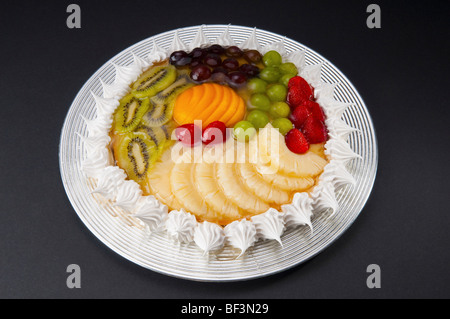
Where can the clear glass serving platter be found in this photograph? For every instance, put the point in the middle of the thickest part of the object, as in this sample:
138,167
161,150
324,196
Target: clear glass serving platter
157,252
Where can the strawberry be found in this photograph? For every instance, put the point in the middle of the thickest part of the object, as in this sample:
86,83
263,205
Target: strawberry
315,131
298,91
315,109
299,115
188,134
296,141
214,133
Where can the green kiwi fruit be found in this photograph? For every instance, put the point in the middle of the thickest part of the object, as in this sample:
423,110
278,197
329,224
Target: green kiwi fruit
181,84
162,104
154,80
161,135
136,154
129,113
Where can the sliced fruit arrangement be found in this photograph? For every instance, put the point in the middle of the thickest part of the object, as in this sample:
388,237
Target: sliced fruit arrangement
209,102
286,100
221,192
142,123
223,87
267,95
163,103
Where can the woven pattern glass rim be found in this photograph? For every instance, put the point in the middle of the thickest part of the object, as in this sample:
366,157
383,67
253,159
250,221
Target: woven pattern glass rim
156,252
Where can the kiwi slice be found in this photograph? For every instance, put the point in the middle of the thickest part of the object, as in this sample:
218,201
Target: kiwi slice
181,84
136,154
161,135
162,104
129,113
154,80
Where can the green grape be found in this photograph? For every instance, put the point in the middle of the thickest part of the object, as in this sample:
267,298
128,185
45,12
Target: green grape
256,85
272,58
258,118
270,74
288,68
279,109
244,131
285,79
277,92
283,124
260,101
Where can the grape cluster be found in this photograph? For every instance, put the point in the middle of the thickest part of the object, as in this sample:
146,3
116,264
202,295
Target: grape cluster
268,95
220,64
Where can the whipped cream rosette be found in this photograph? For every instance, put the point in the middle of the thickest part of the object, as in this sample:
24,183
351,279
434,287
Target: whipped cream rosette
179,224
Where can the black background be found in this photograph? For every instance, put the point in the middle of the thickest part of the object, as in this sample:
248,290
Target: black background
400,70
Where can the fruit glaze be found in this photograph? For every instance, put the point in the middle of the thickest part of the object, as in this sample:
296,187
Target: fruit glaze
167,127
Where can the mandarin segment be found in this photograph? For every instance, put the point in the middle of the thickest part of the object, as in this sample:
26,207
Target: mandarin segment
185,98
230,110
238,115
209,102
222,105
197,94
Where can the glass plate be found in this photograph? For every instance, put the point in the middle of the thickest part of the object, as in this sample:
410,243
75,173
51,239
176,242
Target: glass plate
125,236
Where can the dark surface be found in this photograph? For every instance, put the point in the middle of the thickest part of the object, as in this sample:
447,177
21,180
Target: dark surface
400,70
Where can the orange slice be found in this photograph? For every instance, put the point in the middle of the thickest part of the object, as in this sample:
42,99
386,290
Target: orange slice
210,99
238,115
222,105
209,102
231,110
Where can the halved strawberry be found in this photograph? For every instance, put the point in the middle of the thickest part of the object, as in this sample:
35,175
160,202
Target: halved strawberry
315,131
315,109
296,141
298,91
299,115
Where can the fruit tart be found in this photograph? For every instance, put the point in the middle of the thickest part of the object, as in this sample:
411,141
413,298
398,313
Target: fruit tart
219,143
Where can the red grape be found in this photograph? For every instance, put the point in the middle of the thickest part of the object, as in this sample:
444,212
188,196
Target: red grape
253,56
219,75
197,53
216,48
233,52
237,77
249,69
180,58
213,60
200,73
230,64
195,62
